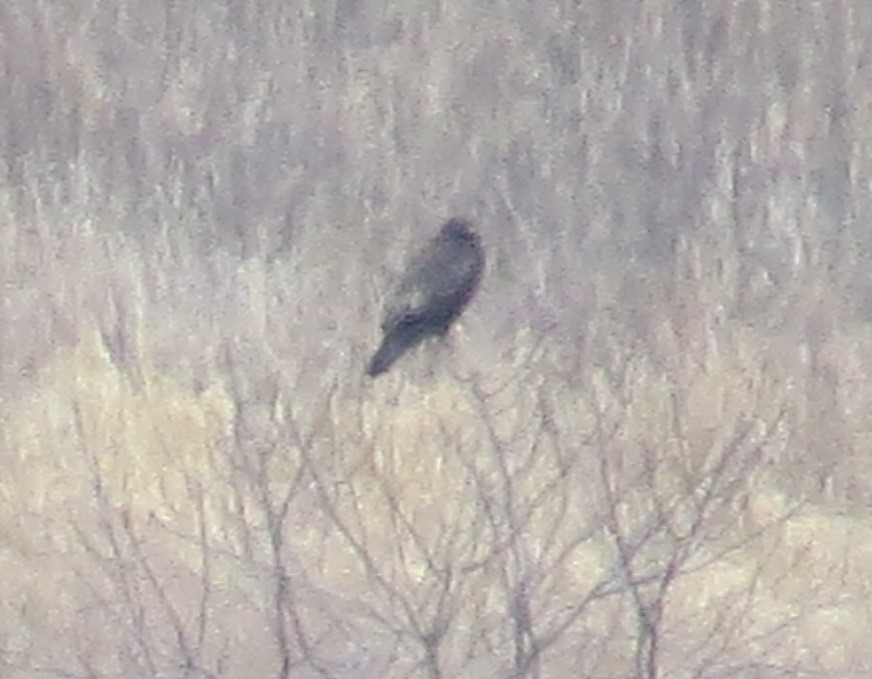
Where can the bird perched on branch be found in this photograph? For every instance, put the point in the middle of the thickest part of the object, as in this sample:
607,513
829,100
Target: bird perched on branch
432,292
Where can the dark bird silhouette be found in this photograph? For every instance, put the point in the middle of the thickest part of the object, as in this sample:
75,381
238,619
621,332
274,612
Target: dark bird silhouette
432,292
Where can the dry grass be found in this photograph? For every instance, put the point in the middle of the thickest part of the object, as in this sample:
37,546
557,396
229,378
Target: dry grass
643,452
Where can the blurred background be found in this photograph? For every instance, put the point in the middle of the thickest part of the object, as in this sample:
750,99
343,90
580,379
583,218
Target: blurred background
640,453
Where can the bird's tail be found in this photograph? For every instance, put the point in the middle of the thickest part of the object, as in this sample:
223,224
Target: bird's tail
392,347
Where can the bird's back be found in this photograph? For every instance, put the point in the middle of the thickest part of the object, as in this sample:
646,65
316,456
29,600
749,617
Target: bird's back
439,281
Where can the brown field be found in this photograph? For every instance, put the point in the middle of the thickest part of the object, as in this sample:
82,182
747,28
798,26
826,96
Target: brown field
640,452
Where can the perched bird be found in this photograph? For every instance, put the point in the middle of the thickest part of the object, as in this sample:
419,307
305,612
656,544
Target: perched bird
434,289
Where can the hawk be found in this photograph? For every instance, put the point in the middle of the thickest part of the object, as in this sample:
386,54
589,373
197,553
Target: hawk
432,292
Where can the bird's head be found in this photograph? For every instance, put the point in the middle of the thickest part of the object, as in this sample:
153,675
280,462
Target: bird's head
458,229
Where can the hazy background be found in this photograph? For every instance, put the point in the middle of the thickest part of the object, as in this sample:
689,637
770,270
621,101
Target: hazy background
643,451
